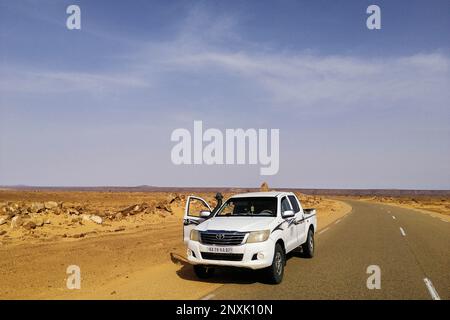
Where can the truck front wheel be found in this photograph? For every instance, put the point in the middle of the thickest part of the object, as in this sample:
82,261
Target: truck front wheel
276,270
203,272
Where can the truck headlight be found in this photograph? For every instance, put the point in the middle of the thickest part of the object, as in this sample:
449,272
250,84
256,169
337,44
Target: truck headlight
195,235
258,236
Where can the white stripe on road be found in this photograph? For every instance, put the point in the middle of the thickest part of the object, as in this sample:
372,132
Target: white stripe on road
208,297
323,230
431,289
402,231
393,217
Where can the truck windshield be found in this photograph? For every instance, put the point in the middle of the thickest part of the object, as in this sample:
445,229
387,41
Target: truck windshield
252,206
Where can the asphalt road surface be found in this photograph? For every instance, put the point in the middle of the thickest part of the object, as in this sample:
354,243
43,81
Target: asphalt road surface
411,249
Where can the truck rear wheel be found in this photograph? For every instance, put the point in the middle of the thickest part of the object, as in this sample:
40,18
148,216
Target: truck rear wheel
308,246
203,272
276,270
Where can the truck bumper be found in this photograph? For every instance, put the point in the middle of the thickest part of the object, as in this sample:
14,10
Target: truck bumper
254,255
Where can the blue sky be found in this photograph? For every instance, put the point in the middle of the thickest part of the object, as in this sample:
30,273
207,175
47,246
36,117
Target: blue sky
355,108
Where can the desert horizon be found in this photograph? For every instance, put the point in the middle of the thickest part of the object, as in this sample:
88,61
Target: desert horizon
151,188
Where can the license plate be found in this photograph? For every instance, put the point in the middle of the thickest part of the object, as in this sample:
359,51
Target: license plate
220,249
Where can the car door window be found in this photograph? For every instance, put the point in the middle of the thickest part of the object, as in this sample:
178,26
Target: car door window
285,205
196,206
294,203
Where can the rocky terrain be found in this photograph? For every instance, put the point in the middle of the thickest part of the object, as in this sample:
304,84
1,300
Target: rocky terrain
52,218
49,216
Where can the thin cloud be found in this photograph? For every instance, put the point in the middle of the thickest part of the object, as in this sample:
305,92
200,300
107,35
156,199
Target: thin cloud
49,81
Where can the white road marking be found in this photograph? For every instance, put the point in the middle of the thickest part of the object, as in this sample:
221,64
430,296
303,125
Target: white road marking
393,217
322,231
337,221
431,289
402,231
208,297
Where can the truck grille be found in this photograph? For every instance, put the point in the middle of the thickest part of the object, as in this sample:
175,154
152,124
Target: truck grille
222,256
222,238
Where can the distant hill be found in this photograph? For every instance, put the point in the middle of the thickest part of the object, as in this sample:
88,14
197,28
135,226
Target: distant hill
330,192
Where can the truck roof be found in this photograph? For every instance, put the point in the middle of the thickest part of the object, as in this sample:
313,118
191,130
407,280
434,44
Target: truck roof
261,194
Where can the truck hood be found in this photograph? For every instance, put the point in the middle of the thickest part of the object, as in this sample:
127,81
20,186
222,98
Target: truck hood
237,223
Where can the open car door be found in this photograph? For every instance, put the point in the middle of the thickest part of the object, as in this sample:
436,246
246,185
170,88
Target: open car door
192,215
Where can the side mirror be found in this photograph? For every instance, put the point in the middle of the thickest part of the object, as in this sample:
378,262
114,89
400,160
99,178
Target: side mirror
288,214
205,213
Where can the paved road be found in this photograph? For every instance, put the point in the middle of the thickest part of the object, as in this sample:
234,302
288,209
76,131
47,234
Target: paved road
369,235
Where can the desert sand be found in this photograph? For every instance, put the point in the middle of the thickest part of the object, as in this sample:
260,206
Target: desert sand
128,245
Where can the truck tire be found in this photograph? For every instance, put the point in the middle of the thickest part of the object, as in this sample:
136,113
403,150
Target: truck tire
276,270
203,272
308,246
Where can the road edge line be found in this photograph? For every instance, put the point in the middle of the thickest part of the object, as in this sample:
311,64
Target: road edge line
322,231
431,289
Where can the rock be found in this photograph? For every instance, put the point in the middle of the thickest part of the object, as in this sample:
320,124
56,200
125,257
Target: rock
39,222
3,220
72,211
264,187
78,235
76,219
3,232
118,216
50,205
47,221
96,219
29,225
66,205
24,211
11,210
100,214
164,205
174,198
16,222
151,207
36,207
134,209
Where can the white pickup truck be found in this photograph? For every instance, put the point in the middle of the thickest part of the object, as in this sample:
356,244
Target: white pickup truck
250,230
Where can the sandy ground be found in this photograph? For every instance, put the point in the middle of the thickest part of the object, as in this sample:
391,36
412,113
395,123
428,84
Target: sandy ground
139,256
